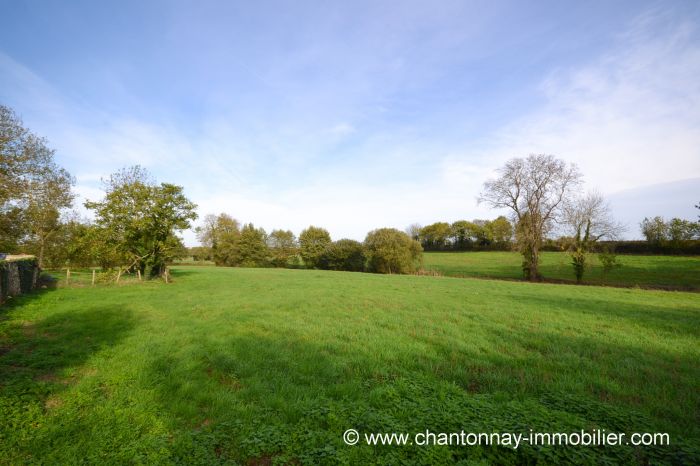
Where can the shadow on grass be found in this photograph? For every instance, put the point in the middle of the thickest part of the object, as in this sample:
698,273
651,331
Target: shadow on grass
37,352
283,397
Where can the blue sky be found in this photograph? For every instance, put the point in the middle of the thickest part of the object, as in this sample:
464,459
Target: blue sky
356,115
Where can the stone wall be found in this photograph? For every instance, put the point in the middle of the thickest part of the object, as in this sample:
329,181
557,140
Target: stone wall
18,275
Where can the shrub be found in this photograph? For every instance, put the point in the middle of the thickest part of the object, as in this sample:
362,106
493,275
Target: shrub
344,254
392,251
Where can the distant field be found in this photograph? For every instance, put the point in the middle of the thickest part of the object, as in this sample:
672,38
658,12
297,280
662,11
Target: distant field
675,272
254,366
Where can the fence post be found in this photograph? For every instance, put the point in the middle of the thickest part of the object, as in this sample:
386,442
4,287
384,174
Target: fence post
67,275
93,276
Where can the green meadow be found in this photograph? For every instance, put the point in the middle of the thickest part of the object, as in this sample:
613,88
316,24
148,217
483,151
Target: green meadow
271,366
663,272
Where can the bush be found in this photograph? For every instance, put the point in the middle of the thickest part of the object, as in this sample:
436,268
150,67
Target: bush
392,251
344,254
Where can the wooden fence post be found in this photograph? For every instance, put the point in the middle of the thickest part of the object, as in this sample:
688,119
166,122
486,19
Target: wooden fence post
67,275
93,277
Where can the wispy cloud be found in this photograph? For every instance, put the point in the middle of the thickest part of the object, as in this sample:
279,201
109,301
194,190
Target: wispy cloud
352,136
628,119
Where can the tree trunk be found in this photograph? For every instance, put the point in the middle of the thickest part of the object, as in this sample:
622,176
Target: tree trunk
535,265
40,259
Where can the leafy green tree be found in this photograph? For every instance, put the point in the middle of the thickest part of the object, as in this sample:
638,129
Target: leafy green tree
252,247
500,231
33,189
681,231
283,247
312,244
655,230
200,253
392,251
344,254
141,218
436,235
534,189
461,234
47,196
221,233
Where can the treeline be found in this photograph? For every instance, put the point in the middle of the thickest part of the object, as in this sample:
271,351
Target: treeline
463,235
135,228
228,243
136,224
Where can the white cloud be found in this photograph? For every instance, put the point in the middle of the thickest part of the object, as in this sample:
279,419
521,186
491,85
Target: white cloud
629,119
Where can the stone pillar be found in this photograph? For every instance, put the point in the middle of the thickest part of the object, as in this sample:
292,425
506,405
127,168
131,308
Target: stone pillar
13,285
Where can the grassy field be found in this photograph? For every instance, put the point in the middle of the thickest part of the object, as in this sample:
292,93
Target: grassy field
256,366
672,272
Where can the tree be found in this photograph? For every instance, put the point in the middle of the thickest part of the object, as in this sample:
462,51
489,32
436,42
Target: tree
312,244
500,230
681,231
344,254
436,235
534,189
34,190
461,234
587,219
141,218
252,247
220,233
200,253
392,251
47,196
655,230
283,247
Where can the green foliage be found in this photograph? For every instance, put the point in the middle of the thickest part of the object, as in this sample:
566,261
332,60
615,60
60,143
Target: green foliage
655,230
464,235
251,366
500,230
141,219
608,259
34,190
344,254
529,239
200,253
312,244
681,231
252,247
436,236
283,247
392,251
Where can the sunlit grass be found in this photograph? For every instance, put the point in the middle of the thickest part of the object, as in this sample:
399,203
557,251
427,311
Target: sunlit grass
239,364
672,272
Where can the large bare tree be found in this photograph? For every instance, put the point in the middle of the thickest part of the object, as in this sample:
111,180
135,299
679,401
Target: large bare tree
534,189
587,219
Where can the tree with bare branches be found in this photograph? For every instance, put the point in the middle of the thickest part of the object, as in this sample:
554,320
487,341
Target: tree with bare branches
534,189
587,219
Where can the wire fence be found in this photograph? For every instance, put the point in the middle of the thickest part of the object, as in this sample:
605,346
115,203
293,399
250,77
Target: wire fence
96,276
